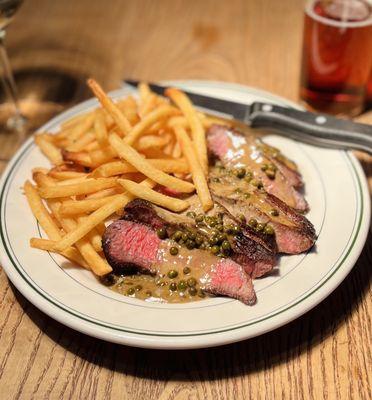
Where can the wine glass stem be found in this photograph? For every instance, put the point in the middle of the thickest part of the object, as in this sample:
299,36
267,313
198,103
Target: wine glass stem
8,78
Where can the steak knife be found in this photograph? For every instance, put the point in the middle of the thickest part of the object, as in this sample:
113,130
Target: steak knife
317,129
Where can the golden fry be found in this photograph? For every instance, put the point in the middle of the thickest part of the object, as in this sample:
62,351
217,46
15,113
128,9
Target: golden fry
153,117
119,118
151,142
130,155
65,175
198,132
198,176
80,158
73,207
91,221
90,186
121,167
148,194
81,143
70,253
49,149
100,129
103,155
40,212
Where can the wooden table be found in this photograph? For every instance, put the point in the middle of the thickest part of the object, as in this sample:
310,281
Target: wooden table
325,354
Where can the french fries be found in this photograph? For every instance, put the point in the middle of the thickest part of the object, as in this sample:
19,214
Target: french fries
198,176
133,157
146,193
89,186
178,166
119,118
197,130
49,149
103,159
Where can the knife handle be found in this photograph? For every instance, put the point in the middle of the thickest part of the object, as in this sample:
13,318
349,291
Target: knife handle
312,128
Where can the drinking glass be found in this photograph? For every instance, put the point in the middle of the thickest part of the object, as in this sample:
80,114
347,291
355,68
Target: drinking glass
13,120
337,55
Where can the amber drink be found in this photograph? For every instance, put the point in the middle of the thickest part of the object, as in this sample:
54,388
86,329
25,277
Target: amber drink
337,55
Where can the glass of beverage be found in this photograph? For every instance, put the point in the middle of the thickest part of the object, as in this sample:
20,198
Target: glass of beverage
13,121
337,55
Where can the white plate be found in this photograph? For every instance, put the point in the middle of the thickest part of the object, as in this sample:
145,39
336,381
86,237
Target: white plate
340,210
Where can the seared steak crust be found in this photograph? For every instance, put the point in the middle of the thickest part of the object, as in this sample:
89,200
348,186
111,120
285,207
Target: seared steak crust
253,251
235,149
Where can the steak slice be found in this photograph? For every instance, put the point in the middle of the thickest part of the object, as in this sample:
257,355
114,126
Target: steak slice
132,244
294,233
255,252
236,150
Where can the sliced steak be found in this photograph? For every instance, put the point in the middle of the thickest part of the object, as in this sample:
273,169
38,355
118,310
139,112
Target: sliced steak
256,252
236,150
128,243
294,233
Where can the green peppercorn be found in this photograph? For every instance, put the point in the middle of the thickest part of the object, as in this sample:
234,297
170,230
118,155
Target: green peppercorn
225,245
191,282
247,195
202,246
184,236
199,218
191,235
193,291
240,173
148,293
108,279
208,220
213,222
269,230
173,286
260,185
264,167
138,288
260,227
248,176
162,233
229,228
199,240
213,240
190,214
190,244
177,236
182,285
252,222
215,249
274,212
219,227
242,218
238,191
173,251
131,291
216,180
255,182
221,237
270,174
186,270
236,229
201,293
172,274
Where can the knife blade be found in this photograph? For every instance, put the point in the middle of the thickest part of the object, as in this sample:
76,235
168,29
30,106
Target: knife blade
317,129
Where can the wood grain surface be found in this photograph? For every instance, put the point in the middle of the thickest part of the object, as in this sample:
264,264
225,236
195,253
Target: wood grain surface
325,354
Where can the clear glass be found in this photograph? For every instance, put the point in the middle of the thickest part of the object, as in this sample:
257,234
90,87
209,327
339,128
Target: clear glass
14,120
337,55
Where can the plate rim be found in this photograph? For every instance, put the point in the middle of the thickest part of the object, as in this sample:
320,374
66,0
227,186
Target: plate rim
361,235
